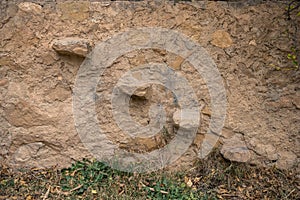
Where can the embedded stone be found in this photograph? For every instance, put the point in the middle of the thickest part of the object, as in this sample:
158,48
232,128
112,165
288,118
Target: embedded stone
177,63
287,159
3,82
177,117
142,92
235,149
27,115
221,39
71,46
74,10
30,7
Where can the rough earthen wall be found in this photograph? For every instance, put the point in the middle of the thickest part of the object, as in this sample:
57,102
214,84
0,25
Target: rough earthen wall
247,42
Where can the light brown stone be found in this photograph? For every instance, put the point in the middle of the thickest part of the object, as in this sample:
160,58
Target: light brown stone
5,60
146,143
296,101
177,117
26,115
177,63
3,82
30,7
221,39
77,11
198,140
71,46
235,149
266,150
253,43
287,160
27,151
60,93
206,111
227,133
142,92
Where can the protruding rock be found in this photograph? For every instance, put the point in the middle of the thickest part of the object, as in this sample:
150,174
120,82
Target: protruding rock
71,46
206,111
184,119
286,160
27,151
142,92
176,64
296,101
26,115
221,39
177,117
235,149
3,82
266,150
253,43
227,133
30,7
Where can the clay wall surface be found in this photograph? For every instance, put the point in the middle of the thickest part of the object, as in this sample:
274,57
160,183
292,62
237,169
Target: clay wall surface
44,43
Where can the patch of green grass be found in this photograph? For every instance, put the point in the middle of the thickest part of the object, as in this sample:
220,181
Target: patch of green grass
83,175
92,178
210,179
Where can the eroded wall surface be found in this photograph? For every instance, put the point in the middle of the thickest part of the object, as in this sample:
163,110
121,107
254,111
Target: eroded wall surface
44,43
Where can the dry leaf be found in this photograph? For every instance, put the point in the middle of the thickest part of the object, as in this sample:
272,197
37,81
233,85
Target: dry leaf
29,197
188,181
22,182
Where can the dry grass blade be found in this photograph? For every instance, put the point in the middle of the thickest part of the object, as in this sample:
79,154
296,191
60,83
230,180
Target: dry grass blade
47,193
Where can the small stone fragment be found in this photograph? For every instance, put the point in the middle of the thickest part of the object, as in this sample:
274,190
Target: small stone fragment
177,63
287,159
177,117
185,120
253,43
227,133
266,150
296,102
3,82
206,111
221,39
235,149
142,92
12,9
27,151
71,46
